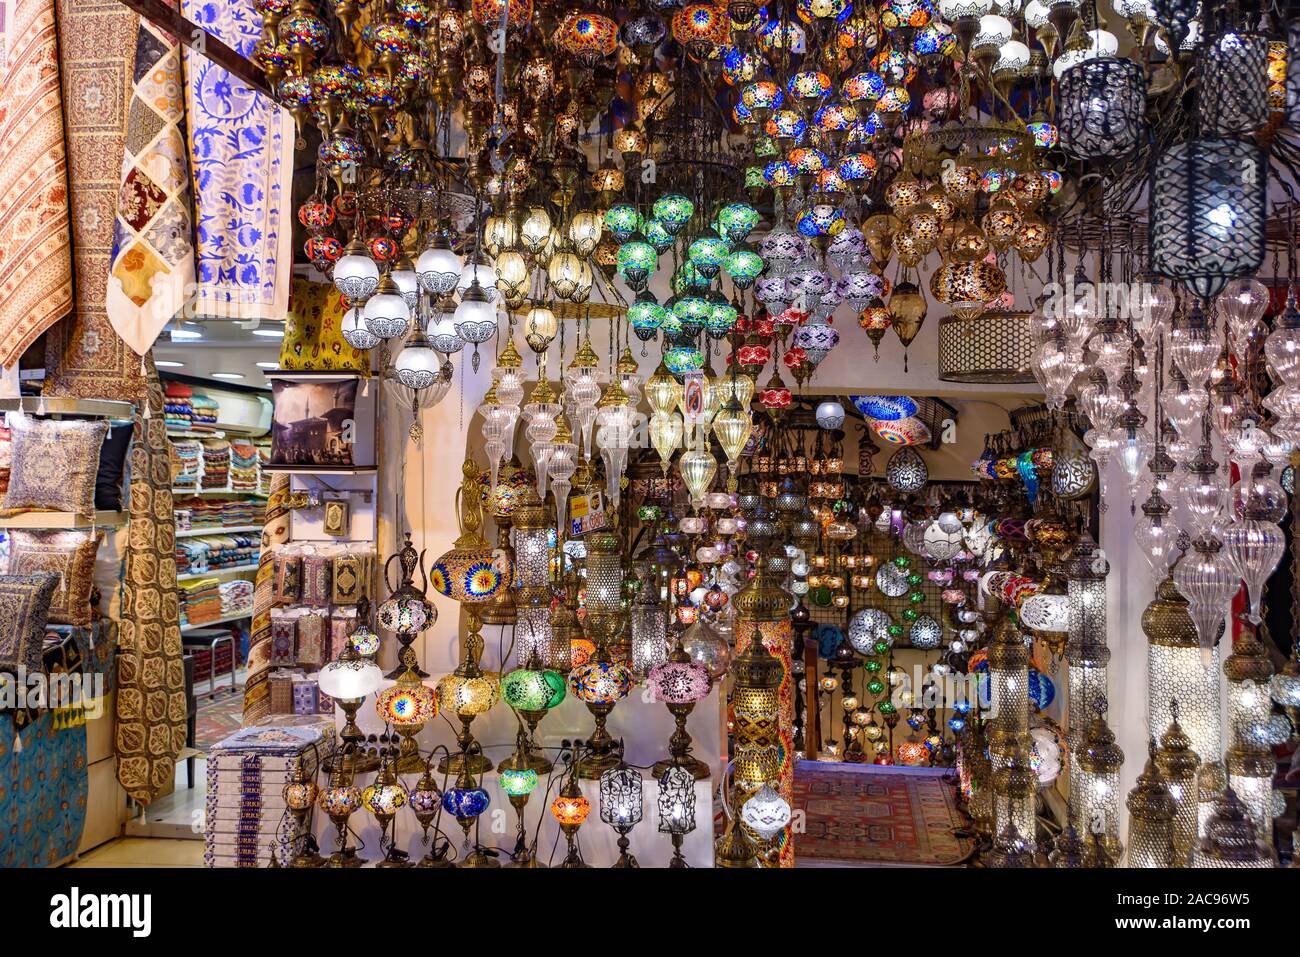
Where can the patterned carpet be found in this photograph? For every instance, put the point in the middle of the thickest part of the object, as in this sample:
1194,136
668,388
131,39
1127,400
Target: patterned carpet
217,719
868,815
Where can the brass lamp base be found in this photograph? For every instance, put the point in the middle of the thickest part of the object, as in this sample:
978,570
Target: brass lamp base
592,766
699,770
479,859
351,762
455,763
343,859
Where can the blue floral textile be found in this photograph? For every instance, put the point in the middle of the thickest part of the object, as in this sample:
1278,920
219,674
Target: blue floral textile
241,155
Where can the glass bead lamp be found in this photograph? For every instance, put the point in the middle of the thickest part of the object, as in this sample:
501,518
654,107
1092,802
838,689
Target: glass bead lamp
407,706
466,801
680,683
518,781
570,808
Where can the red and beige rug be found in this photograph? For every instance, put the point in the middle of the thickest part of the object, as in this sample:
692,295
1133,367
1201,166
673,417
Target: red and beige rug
856,814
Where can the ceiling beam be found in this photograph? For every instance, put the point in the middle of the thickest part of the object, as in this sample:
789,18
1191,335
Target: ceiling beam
190,34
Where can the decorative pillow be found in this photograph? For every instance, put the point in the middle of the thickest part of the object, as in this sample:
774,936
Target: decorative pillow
316,574
24,606
112,466
349,579
70,556
286,577
55,464
284,637
311,639
313,331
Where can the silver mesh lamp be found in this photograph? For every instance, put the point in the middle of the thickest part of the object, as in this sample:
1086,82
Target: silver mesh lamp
1207,213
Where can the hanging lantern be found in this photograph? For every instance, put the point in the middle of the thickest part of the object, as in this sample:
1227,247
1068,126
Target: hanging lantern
906,470
1102,108
1234,84
1207,213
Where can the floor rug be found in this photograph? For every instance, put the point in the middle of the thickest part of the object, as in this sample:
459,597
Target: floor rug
866,814
217,719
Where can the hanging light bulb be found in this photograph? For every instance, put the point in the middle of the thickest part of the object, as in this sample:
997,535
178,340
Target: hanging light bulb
582,391
1195,345
386,314
1254,547
356,275
540,413
438,268
614,421
560,466
698,466
1243,303
665,435
475,318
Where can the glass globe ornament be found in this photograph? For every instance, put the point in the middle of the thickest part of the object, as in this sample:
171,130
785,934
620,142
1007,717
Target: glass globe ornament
386,313
438,268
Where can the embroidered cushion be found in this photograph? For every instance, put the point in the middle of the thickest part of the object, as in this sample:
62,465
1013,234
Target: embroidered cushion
313,331
54,464
24,606
70,556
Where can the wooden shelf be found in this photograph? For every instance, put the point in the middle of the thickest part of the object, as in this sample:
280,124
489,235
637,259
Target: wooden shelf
177,433
234,570
49,405
212,493
234,530
47,520
323,469
224,619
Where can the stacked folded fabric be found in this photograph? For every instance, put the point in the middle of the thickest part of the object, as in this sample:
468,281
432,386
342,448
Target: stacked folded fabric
246,820
200,601
263,460
205,409
236,597
243,466
216,463
212,553
178,406
242,513
187,463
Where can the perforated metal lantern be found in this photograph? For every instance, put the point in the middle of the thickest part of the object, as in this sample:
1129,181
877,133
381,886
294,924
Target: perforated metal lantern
1102,108
1234,84
1207,213
994,347
906,470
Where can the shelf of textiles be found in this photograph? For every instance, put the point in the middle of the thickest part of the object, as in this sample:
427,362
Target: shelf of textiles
211,601
199,516
216,465
207,410
316,589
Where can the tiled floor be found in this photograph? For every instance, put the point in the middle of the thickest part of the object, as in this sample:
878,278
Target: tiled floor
144,852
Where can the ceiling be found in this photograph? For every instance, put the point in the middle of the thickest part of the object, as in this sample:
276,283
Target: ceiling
217,349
